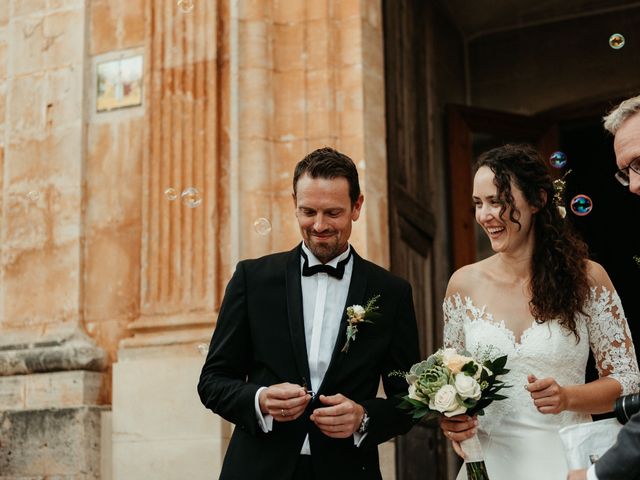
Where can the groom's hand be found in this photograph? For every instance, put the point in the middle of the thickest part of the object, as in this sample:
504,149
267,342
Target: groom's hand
340,418
548,396
284,402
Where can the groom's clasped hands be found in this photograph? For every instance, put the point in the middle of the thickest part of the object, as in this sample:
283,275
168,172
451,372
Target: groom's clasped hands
340,418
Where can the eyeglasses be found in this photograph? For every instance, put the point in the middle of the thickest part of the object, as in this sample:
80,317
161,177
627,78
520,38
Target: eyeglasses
622,175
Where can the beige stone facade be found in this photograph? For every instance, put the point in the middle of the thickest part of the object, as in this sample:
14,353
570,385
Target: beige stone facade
110,281
107,286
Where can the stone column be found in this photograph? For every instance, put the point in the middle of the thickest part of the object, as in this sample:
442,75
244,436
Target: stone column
50,370
310,74
159,424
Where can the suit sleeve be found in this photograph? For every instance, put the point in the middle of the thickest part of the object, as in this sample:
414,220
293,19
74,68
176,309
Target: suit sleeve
223,387
623,459
386,419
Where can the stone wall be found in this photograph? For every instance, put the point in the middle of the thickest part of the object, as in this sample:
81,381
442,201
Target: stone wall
51,380
107,286
263,83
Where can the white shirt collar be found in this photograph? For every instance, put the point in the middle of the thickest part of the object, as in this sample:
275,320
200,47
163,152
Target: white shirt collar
333,262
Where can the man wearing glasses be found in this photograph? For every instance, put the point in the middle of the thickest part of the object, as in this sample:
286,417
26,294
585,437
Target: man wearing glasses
624,123
623,459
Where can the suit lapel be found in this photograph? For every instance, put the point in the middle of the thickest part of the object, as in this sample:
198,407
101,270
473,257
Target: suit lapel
357,289
295,314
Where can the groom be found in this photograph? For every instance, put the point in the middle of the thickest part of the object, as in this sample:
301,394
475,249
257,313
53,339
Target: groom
279,367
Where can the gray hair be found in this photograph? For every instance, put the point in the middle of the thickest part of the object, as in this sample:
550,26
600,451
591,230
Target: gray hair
619,114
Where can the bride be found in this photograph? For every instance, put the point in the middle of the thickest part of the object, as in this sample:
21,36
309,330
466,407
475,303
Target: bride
539,300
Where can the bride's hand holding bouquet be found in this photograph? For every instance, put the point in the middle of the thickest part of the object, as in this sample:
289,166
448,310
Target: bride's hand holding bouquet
456,387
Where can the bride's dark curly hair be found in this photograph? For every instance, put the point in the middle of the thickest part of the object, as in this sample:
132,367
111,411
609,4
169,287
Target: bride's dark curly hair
559,284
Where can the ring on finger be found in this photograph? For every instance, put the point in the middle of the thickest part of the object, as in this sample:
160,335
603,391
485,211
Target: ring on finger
283,412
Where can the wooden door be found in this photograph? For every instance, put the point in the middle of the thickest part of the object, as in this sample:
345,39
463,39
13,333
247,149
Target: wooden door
414,190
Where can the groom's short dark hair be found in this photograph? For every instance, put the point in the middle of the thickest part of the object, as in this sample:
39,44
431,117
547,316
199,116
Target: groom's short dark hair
329,163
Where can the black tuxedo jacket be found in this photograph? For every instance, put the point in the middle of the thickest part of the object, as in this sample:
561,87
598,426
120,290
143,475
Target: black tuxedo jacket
622,461
259,340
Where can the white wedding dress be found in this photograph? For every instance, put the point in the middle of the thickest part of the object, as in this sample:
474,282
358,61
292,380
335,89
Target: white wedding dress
518,442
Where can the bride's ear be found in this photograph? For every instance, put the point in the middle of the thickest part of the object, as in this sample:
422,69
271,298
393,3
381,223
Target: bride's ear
543,197
543,201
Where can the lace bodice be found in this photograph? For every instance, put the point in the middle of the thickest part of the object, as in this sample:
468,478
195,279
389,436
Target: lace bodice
546,350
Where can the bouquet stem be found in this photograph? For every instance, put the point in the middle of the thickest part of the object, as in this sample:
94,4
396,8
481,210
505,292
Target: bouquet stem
474,459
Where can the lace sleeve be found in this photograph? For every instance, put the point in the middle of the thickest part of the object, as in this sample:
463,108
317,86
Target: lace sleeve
610,339
453,322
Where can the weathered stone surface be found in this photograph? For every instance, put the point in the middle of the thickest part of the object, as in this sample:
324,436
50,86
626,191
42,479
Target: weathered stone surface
62,389
50,443
12,392
67,348
47,390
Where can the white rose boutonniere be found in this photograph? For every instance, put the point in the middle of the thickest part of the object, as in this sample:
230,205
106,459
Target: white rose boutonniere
357,314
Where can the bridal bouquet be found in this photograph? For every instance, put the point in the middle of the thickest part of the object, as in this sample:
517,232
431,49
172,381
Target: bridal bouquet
453,383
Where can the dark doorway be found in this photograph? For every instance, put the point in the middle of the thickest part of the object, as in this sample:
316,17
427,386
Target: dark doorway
610,229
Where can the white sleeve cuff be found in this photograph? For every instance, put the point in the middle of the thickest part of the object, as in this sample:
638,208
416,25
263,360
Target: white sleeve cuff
265,421
591,473
358,438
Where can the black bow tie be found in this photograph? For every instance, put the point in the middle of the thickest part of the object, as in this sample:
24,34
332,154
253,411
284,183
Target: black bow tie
336,272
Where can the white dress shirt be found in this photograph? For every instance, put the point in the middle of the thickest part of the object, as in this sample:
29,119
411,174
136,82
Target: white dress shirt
591,473
323,304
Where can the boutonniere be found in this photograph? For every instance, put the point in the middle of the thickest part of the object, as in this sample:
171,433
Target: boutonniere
357,314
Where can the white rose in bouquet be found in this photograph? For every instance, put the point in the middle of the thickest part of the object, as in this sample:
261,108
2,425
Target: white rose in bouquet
445,401
467,387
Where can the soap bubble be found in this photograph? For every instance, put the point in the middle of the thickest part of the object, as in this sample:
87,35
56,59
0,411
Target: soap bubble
186,6
191,197
262,226
33,195
203,348
616,41
171,194
558,159
581,205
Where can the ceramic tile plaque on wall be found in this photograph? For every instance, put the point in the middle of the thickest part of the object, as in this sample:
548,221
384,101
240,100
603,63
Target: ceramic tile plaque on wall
119,83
